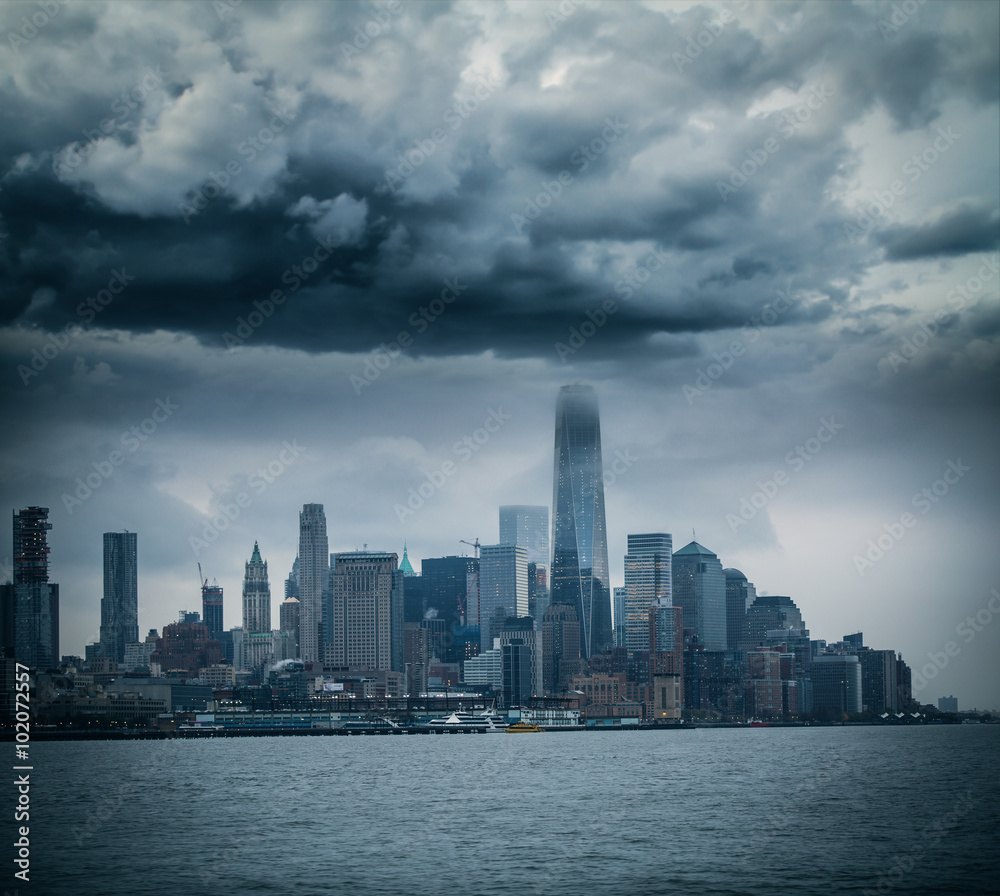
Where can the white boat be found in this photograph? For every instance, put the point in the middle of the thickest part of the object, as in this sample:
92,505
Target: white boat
486,721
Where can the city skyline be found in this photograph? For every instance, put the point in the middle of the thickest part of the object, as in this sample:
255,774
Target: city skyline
770,245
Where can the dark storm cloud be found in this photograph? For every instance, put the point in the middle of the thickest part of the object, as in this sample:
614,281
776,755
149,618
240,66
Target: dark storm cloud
961,231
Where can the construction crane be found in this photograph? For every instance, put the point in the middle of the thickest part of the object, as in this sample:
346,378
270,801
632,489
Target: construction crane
202,581
462,598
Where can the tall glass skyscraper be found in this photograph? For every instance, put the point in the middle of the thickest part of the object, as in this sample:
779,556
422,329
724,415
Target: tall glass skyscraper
699,587
528,526
120,604
314,570
579,532
647,583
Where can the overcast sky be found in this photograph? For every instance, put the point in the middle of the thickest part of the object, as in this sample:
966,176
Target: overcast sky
766,233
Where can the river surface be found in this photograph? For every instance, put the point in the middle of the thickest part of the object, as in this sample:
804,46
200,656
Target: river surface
912,810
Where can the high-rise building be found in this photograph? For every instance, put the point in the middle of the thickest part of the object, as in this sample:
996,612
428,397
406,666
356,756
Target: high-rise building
503,588
740,595
618,602
528,526
522,632
120,604
836,683
647,583
288,621
451,588
560,648
879,685
699,589
31,602
258,639
948,704
766,613
579,533
366,612
211,608
256,594
314,565
405,567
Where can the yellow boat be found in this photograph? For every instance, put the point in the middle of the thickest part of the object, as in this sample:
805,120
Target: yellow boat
522,727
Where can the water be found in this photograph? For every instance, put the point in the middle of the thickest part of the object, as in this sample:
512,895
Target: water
768,810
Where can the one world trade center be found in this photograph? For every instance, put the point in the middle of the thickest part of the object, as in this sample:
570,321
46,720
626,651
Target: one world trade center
579,532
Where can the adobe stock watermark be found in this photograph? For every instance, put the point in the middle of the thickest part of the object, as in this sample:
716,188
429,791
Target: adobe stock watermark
967,630
914,168
901,14
626,288
702,40
131,439
409,161
464,450
788,123
930,326
293,277
47,11
76,153
923,501
750,332
259,481
795,460
555,17
379,19
931,835
580,159
88,310
383,357
215,182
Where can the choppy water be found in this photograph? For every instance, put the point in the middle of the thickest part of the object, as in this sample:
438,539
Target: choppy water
761,811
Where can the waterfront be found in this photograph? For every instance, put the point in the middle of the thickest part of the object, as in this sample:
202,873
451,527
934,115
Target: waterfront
749,811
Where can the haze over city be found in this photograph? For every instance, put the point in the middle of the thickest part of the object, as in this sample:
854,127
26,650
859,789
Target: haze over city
273,255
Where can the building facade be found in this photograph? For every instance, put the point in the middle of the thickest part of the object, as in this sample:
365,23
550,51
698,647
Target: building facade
699,588
314,565
120,604
503,588
528,526
579,531
366,597
647,583
740,595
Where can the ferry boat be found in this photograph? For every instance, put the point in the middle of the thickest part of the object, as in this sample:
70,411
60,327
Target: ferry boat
522,727
464,721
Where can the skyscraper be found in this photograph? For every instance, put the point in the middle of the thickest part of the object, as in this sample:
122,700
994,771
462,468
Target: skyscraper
314,565
32,602
647,582
366,611
256,594
579,533
120,604
528,526
288,621
740,595
503,588
700,590
211,609
451,587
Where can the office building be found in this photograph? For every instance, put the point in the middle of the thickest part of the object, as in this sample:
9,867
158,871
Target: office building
647,583
288,621
523,632
503,588
451,588
120,604
528,526
699,589
769,612
879,686
366,599
836,683
31,601
256,594
740,595
618,603
948,704
560,648
211,608
579,573
314,566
